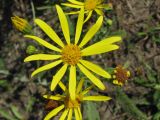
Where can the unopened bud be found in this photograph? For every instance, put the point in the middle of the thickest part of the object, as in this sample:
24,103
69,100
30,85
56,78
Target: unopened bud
21,24
31,50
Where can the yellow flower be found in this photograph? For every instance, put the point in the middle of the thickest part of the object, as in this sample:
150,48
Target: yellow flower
70,54
89,6
68,105
21,24
120,76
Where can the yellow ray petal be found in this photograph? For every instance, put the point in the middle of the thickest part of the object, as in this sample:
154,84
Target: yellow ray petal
80,85
99,12
46,67
49,31
56,97
76,2
95,80
58,76
41,57
72,12
117,83
95,68
88,16
70,114
53,112
87,90
80,114
96,98
63,87
72,82
76,114
64,23
75,12
105,6
71,5
95,49
102,46
64,114
43,42
79,25
111,40
92,31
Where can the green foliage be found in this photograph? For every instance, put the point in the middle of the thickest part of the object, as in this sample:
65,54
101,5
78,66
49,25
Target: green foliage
128,105
91,111
29,105
149,80
5,114
3,83
122,33
2,65
16,112
156,98
156,116
3,69
153,32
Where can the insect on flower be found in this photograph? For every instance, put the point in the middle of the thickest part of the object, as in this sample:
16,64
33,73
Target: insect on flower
51,104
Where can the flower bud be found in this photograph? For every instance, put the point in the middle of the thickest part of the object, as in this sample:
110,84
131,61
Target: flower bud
21,24
31,50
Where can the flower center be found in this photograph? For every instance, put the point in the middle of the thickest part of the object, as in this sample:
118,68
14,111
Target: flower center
121,74
72,103
71,54
91,4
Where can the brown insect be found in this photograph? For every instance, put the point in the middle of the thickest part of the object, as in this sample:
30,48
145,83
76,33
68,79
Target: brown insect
51,104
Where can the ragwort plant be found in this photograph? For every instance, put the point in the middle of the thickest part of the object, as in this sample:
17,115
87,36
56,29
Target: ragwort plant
71,55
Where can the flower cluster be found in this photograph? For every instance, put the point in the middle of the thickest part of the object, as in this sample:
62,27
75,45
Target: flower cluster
89,6
68,105
72,56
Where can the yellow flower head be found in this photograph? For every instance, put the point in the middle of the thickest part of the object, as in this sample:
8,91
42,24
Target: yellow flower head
71,54
121,75
89,6
68,105
21,24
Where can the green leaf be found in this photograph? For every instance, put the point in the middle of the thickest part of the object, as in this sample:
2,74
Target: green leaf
91,111
156,116
140,80
4,83
2,64
3,69
5,72
5,114
140,101
126,64
142,33
16,112
157,87
156,98
30,104
122,33
110,70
